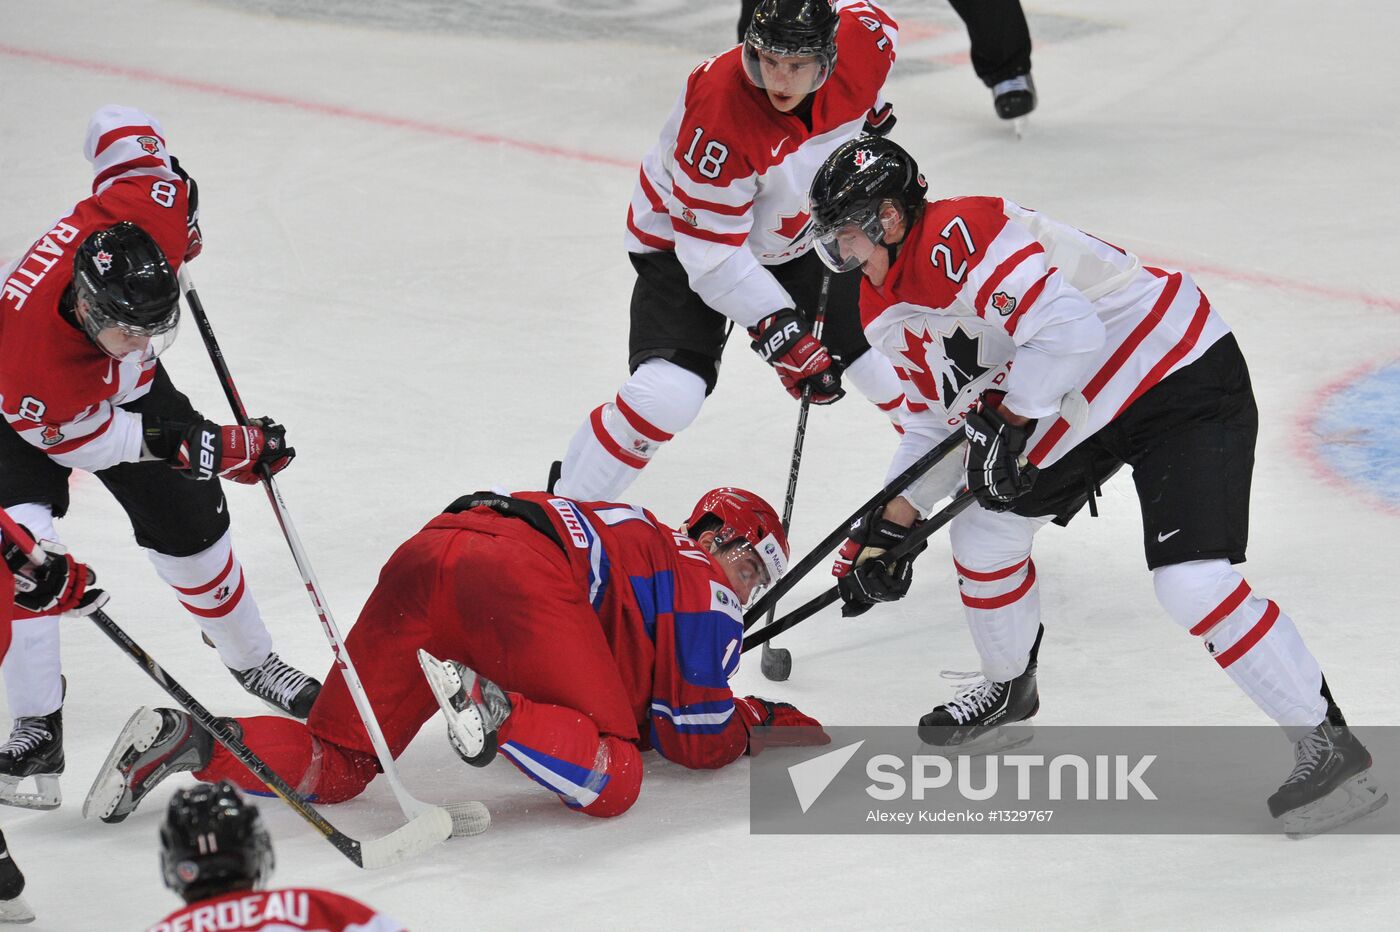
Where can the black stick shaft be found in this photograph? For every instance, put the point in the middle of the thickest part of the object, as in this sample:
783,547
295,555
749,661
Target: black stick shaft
804,566
245,756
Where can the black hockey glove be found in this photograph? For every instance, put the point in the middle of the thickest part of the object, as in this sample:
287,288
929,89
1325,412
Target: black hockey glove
996,472
876,580
868,537
785,342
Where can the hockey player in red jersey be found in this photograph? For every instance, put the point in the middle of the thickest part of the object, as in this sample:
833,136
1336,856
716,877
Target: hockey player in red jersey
1063,357
719,234
216,854
571,637
84,315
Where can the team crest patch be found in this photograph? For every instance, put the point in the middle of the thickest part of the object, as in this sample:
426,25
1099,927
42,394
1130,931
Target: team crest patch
50,435
103,260
688,216
863,156
1003,303
150,143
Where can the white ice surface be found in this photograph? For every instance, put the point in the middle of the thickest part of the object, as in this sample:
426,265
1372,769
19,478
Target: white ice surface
414,261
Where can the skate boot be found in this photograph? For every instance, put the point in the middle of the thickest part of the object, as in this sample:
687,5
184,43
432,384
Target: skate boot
283,688
475,707
1330,785
154,744
35,749
1015,97
973,718
13,908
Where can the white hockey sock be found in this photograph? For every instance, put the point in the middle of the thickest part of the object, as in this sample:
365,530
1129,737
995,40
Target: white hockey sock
996,578
211,587
33,667
873,376
1251,638
618,439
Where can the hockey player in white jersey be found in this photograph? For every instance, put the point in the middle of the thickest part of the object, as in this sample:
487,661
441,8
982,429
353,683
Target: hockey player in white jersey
719,234
1062,358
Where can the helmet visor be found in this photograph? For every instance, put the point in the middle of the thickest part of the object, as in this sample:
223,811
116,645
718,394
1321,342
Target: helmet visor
121,339
847,244
754,567
790,72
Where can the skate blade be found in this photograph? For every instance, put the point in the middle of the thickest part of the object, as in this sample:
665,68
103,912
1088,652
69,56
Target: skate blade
1355,798
1019,126
16,910
47,794
109,786
1001,738
465,728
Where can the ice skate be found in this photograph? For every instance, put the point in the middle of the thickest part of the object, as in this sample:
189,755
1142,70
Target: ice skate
475,707
974,719
13,908
35,749
282,687
1014,99
154,744
1331,783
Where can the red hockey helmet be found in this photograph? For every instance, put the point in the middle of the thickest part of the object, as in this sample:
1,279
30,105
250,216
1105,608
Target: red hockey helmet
743,516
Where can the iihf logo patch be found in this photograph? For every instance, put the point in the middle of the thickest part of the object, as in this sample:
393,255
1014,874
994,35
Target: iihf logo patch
688,216
103,261
150,143
50,435
188,871
1003,303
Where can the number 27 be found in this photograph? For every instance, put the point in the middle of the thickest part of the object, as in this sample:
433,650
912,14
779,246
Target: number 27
943,251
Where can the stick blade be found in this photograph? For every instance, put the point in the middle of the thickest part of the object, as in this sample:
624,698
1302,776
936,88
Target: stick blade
776,663
428,829
469,818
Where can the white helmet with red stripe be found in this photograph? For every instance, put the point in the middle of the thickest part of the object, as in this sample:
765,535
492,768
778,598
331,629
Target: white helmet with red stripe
743,516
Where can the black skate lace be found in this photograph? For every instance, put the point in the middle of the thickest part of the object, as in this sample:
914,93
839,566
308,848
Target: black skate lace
1309,753
973,698
276,680
29,732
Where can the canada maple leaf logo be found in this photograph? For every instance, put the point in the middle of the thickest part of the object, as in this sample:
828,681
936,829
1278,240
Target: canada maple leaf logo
794,228
1003,303
103,261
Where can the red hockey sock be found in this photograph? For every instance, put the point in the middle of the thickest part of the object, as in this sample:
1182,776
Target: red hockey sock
561,749
316,768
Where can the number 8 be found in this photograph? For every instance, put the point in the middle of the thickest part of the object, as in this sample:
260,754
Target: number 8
163,193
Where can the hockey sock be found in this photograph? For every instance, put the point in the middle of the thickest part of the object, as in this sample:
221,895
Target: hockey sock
1250,637
618,439
996,579
211,587
320,770
561,750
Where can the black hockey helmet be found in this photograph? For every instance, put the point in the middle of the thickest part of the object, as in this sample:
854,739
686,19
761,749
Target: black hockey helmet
212,842
792,27
850,187
126,282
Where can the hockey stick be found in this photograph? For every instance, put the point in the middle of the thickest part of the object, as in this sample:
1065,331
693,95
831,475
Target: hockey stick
911,543
804,566
428,829
777,661
465,816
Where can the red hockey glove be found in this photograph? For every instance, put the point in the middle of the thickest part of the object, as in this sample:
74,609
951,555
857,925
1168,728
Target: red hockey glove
879,122
785,342
204,449
59,584
996,472
796,729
